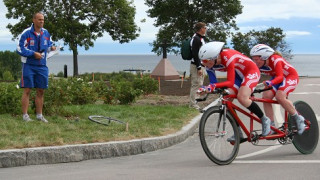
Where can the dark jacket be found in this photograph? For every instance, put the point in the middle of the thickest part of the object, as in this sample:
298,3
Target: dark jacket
196,43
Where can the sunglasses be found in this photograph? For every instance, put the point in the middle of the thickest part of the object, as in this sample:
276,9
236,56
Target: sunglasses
207,60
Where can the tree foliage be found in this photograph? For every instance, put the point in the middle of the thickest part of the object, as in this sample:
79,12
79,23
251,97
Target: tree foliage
273,37
10,62
77,22
176,19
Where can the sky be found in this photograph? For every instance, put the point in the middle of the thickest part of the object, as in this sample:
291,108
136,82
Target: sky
299,19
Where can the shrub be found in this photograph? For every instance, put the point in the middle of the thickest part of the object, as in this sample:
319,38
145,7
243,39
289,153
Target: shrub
57,95
10,61
10,98
105,92
122,76
125,93
123,89
7,76
60,74
82,91
146,85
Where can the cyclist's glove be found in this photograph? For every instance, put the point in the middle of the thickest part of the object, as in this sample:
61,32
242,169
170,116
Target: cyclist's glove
207,89
268,83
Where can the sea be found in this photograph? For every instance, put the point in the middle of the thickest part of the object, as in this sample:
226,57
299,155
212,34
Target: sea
306,64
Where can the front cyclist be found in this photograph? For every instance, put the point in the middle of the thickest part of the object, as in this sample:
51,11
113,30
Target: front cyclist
284,80
242,77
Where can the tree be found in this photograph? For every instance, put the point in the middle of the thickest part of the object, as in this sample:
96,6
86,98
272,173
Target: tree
176,19
11,62
273,37
77,22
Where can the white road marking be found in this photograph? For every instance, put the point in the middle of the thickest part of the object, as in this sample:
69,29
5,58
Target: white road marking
278,145
277,161
312,85
301,93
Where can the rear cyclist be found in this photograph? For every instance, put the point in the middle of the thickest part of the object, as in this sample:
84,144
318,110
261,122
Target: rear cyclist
284,80
242,77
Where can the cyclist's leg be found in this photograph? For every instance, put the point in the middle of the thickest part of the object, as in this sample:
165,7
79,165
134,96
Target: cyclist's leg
267,107
243,97
247,86
283,91
232,91
282,98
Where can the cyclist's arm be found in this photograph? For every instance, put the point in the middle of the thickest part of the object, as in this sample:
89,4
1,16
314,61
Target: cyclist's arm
212,76
279,73
230,77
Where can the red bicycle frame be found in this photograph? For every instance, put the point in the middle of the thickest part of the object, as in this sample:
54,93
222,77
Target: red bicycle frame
233,108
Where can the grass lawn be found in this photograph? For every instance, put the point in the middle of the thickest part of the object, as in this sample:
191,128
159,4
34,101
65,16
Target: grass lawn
72,126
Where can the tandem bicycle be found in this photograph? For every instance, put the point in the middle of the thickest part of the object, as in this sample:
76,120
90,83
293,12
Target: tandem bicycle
221,122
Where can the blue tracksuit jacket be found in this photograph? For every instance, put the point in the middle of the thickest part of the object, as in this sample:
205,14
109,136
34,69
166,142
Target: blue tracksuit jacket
30,42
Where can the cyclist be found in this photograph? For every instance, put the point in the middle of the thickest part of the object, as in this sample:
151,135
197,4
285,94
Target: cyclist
242,77
284,80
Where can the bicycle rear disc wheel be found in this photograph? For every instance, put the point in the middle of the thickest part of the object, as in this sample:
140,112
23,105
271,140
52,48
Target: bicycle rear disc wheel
308,140
100,119
213,134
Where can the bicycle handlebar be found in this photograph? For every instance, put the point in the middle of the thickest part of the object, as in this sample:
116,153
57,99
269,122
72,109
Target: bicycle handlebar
260,90
224,91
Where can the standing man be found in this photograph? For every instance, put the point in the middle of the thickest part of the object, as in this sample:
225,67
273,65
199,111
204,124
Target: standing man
196,70
34,44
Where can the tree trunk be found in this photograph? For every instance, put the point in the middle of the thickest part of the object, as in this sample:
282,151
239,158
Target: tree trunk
164,49
75,62
164,52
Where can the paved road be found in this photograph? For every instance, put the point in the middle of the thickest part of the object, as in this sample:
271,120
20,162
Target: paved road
188,161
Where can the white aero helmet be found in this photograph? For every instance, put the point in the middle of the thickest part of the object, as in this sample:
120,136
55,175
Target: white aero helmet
210,50
261,50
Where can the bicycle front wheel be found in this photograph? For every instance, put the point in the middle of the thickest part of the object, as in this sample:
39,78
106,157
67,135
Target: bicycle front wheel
214,132
100,119
308,140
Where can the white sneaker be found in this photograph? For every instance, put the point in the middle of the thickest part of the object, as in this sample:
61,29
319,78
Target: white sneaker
272,124
300,124
26,118
42,119
266,130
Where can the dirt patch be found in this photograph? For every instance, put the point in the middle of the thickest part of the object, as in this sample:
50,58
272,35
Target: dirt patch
173,93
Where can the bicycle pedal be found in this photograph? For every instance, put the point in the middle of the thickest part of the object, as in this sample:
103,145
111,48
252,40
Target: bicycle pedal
242,140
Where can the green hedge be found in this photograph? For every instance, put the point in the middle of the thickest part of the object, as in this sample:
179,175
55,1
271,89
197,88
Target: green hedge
77,91
10,62
10,98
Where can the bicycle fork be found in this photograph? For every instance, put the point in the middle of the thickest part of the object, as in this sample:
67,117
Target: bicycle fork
223,118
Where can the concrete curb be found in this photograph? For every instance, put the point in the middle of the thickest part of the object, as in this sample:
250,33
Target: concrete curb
81,152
